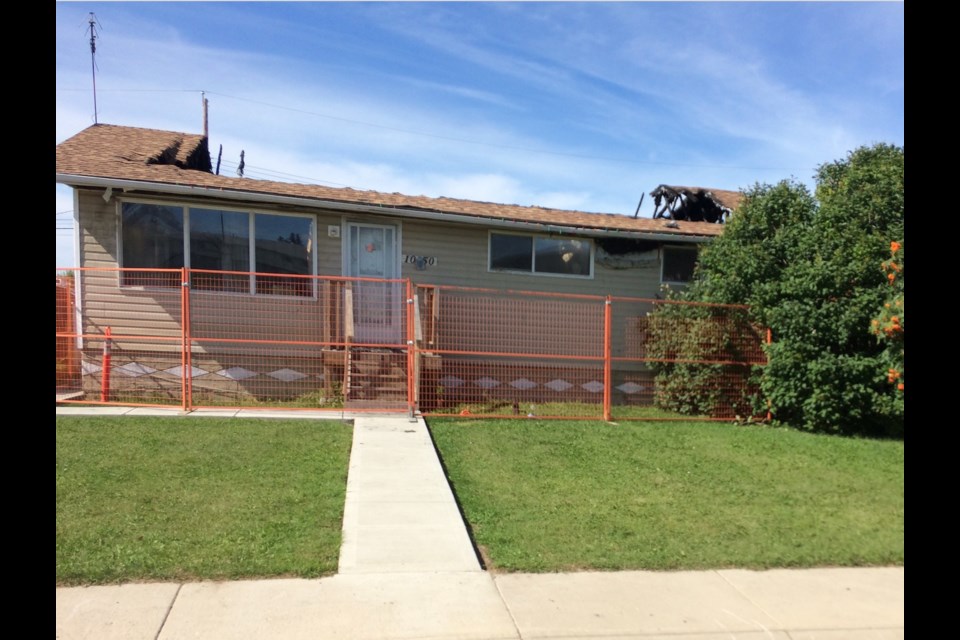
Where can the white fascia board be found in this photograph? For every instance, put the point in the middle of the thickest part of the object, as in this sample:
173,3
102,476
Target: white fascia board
317,203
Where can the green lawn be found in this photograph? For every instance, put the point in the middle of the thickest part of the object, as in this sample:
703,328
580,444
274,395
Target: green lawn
555,496
198,498
581,410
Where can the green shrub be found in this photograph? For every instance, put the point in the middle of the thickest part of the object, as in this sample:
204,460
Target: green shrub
808,268
692,348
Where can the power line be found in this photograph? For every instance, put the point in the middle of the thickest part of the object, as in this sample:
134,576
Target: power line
461,140
267,173
137,90
477,142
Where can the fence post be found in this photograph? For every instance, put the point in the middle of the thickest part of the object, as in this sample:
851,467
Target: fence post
186,380
411,355
607,355
105,377
769,342
347,338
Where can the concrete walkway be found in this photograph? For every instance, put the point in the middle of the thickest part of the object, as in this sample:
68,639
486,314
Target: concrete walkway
408,571
400,515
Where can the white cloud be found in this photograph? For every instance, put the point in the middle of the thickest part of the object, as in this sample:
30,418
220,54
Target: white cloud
637,81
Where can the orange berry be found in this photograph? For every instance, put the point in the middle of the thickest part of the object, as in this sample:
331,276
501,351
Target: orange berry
900,387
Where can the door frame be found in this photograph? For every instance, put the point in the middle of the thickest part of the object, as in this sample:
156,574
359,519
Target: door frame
345,243
391,333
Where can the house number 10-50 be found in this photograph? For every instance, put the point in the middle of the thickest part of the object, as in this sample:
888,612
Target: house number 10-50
420,261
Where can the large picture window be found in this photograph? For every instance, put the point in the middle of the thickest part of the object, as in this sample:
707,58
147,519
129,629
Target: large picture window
678,264
541,255
215,241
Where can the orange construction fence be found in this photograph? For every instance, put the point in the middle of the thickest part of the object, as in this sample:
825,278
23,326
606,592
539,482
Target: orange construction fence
204,338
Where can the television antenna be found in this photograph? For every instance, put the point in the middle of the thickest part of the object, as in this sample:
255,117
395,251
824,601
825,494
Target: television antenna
94,23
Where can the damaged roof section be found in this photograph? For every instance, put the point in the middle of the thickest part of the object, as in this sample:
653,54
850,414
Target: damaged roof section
137,147
149,160
186,152
694,204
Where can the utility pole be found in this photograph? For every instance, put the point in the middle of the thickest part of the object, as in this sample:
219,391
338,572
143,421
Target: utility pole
206,131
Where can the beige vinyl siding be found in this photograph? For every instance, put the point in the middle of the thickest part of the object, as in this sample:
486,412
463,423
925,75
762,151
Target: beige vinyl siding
329,262
126,312
461,252
534,325
98,230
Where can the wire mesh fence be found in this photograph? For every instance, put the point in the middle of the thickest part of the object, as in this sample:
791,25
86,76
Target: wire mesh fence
686,359
205,338
499,353
68,356
508,353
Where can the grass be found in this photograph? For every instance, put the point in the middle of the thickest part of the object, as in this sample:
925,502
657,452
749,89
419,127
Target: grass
556,496
582,410
222,398
199,498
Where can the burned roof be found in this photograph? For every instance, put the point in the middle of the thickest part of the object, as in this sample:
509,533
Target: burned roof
694,204
138,158
139,147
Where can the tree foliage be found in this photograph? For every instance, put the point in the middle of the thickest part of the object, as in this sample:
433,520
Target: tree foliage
888,325
809,267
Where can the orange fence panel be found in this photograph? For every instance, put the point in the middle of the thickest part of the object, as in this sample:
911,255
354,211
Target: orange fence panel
68,356
205,338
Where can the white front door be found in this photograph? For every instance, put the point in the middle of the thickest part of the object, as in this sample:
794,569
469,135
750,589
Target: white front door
371,252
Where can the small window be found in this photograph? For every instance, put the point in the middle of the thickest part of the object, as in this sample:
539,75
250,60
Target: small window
511,253
541,255
678,264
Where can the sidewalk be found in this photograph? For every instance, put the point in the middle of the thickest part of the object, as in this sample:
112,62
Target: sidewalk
408,570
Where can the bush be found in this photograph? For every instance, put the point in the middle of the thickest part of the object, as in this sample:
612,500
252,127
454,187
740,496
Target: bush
808,268
690,346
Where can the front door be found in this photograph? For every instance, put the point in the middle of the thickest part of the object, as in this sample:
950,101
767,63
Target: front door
377,306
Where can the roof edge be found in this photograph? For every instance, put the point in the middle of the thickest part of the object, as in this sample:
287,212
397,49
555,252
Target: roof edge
319,203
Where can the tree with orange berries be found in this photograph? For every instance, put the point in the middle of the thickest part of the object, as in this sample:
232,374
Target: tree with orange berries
888,323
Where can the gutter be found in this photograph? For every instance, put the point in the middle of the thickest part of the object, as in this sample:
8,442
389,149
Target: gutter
316,203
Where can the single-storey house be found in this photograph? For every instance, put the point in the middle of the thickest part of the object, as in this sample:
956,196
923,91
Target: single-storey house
148,199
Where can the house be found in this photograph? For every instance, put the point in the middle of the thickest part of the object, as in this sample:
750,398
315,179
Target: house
147,204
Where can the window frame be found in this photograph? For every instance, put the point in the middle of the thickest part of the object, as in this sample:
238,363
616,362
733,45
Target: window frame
533,255
663,261
251,214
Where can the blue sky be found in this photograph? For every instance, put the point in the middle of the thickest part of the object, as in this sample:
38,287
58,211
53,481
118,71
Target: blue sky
572,105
